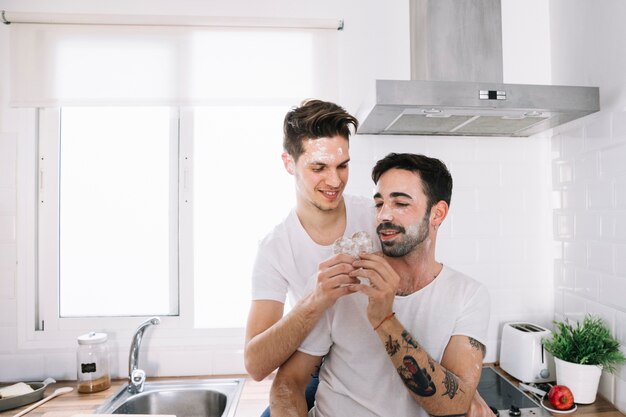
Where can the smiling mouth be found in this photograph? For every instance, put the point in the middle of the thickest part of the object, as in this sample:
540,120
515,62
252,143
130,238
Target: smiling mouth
388,231
387,234
331,195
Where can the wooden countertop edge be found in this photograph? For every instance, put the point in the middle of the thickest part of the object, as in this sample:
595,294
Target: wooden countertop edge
76,403
72,403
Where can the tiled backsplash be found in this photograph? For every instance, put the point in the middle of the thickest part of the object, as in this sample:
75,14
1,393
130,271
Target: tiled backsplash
589,182
499,226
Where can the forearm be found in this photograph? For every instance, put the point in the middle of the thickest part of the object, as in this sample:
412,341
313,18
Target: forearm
438,390
269,349
287,396
287,400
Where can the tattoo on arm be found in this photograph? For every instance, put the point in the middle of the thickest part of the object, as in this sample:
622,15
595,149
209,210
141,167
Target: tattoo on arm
416,378
316,372
410,343
477,345
451,383
392,346
431,363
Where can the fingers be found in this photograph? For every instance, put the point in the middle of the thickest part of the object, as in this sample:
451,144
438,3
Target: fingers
336,260
376,268
336,275
369,290
333,279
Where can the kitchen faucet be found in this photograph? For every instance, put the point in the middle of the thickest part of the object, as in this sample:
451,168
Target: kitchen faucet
137,376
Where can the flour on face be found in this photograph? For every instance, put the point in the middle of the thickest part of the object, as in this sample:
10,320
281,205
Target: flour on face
321,151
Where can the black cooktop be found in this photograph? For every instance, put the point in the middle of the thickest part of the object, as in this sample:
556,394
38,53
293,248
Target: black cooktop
500,394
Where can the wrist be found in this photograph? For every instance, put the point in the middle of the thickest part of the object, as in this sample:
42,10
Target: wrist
381,322
313,305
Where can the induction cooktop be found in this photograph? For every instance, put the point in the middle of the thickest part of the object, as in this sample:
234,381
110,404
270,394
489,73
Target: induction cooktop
505,399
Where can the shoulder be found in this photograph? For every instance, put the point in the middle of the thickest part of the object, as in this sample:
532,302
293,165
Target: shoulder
277,242
460,282
279,235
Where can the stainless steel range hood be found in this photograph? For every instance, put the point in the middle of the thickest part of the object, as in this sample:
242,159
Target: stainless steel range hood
456,81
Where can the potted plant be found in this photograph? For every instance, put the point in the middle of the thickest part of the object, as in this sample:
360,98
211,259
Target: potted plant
580,353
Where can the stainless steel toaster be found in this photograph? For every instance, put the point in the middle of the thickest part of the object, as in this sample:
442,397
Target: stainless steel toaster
522,354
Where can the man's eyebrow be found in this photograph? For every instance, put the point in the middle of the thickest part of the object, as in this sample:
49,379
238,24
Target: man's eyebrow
394,195
400,194
321,163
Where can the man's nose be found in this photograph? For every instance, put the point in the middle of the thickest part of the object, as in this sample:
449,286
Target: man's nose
384,214
332,179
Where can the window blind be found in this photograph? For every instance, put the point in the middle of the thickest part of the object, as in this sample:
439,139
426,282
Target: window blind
63,64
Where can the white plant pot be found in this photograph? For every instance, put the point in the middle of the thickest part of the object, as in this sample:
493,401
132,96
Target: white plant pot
582,380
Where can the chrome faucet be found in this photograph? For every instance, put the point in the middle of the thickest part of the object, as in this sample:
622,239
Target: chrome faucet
137,376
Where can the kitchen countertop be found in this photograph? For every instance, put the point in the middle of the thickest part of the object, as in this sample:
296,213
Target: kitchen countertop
601,407
254,398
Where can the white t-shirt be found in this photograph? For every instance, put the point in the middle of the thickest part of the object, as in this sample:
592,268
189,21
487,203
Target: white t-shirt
358,378
287,258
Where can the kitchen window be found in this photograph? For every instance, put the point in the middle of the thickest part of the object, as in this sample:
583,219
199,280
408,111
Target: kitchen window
112,235
117,212
158,169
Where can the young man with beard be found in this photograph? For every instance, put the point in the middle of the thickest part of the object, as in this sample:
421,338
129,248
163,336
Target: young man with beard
412,341
296,258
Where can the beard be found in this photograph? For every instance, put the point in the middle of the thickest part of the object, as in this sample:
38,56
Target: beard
406,242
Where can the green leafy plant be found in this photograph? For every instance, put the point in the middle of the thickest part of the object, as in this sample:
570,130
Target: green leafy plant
589,343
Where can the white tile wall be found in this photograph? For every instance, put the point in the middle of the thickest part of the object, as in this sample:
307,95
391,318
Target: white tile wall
619,251
612,160
500,221
591,226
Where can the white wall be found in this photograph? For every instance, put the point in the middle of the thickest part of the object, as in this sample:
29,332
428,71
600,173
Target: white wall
499,229
589,171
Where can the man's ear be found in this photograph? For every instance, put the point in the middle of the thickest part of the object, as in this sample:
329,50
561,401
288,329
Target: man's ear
289,163
438,213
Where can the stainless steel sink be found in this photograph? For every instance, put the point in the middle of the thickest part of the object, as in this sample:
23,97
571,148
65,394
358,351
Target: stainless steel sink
183,398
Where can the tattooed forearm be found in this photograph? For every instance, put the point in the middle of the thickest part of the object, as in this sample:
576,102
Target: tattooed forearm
477,345
451,383
431,363
392,346
410,343
415,378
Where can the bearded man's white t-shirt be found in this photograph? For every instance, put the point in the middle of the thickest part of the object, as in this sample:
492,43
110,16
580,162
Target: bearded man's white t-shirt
358,377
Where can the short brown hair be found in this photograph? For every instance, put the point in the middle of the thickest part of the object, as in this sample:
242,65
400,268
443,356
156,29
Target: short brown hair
436,179
315,119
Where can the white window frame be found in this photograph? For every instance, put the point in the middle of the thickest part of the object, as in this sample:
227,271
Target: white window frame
62,332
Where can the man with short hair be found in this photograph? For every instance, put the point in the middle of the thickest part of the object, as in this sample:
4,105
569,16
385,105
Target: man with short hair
296,258
409,341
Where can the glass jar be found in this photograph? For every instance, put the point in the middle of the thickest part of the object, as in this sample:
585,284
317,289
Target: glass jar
92,358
